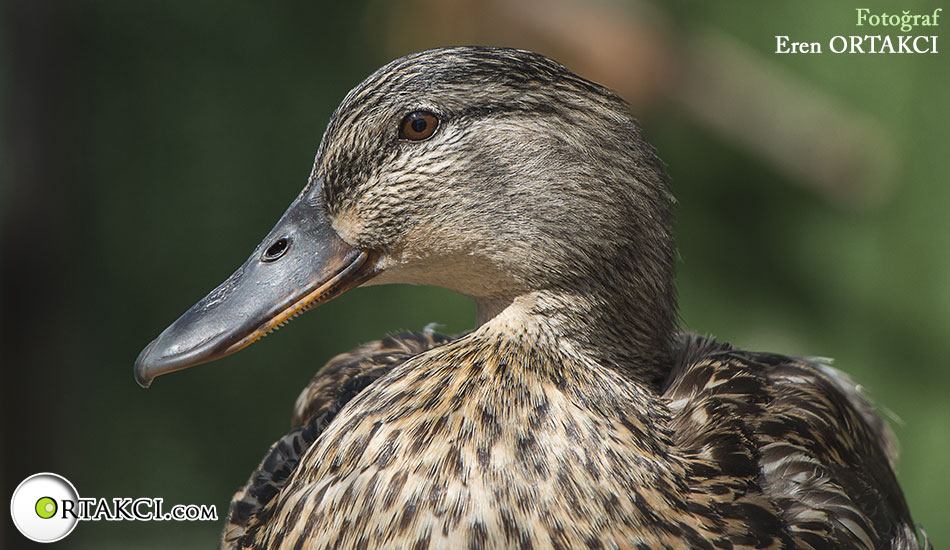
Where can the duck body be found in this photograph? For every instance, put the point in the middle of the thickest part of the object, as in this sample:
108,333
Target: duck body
482,442
574,415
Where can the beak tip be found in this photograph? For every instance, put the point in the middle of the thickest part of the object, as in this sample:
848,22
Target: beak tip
141,370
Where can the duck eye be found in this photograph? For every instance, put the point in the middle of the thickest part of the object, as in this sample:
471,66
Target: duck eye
418,126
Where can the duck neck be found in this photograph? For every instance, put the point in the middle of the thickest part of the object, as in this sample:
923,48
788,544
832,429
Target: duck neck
628,334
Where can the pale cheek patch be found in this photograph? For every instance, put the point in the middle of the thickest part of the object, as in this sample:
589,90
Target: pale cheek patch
349,227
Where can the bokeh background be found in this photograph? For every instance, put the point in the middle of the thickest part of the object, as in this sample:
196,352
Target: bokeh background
148,146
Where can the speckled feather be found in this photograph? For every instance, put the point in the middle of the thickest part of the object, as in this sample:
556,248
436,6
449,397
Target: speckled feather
574,415
333,387
743,450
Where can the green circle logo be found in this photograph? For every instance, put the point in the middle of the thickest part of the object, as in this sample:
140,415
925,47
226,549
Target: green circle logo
37,507
46,507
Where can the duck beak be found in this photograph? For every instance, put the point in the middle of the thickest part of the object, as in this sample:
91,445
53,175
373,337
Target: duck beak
302,263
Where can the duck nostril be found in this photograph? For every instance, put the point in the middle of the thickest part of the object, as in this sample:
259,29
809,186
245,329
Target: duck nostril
276,250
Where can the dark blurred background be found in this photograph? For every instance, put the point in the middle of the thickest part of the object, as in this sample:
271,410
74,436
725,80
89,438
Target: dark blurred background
148,146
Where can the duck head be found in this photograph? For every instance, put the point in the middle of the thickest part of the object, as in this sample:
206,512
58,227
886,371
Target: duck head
496,173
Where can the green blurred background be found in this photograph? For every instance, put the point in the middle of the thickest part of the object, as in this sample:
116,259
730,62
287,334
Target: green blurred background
148,146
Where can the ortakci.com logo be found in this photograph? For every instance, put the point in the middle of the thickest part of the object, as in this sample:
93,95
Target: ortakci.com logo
46,507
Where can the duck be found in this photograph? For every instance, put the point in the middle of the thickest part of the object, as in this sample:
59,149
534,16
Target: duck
575,413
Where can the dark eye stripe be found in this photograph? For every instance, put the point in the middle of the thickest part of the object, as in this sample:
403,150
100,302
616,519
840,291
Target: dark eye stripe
418,126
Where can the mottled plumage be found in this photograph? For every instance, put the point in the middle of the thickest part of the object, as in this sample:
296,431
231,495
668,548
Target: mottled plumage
574,415
762,461
334,386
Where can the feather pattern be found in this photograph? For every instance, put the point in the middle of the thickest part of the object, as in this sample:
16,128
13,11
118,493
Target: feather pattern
334,386
743,450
